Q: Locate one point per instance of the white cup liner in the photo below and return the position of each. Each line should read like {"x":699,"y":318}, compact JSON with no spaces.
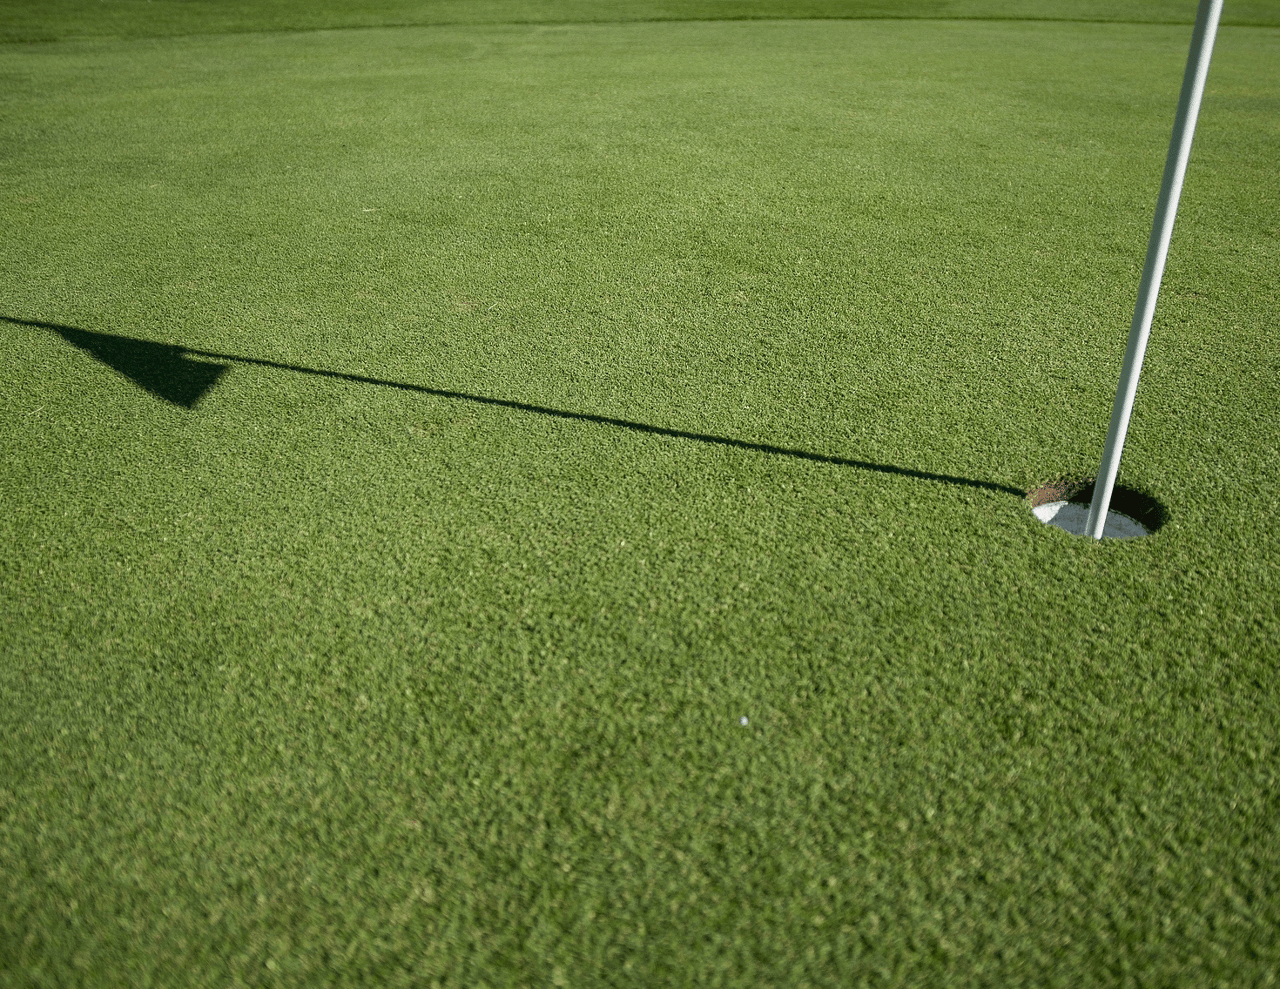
{"x":1072,"y":517}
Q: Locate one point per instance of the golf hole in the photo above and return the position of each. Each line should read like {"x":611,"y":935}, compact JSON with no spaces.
{"x":1065,"y":504}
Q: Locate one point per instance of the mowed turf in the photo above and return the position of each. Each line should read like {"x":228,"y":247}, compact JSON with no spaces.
{"x":518,"y":505}
{"x":48,"y":20}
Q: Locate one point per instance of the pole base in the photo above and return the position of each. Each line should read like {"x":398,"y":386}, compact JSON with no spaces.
{"x":1065,"y":503}
{"x":1073,"y":518}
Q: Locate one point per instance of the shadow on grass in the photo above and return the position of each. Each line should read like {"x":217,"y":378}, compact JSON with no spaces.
{"x":159,"y":368}
{"x":168,"y":372}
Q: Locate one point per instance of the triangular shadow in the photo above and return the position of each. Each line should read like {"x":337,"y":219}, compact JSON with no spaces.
{"x":165,"y":371}
{"x":160,"y":368}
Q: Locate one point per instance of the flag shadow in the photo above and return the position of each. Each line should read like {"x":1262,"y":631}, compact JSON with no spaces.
{"x":168,"y":372}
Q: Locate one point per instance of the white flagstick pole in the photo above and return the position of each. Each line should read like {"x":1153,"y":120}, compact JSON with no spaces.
{"x":1175,"y":167}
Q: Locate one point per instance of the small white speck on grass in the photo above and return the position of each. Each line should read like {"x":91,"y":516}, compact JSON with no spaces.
{"x":744,"y":720}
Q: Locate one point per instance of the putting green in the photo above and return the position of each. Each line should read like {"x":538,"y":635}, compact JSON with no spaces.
{"x":424,"y":446}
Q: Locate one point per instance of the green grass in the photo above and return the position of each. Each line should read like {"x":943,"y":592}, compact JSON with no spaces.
{"x":45,"y":20}
{"x":673,"y":373}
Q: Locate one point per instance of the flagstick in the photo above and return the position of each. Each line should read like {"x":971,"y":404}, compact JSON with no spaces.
{"x":1175,"y":168}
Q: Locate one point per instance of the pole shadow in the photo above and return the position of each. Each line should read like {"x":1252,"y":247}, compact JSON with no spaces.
{"x":168,"y":372}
